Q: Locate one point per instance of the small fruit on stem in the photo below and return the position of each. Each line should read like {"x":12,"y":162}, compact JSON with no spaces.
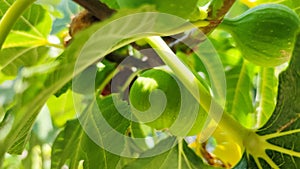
{"x":147,"y":85}
{"x":157,"y":96}
{"x":265,"y":34}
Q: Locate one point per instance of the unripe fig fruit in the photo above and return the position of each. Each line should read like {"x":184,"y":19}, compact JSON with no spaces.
{"x":157,"y":94}
{"x":148,"y":83}
{"x":265,"y":34}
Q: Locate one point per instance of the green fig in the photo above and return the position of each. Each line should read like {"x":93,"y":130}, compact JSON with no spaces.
{"x":265,"y":34}
{"x":157,"y":94}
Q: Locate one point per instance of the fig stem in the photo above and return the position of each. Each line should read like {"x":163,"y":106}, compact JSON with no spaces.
{"x":180,"y":151}
{"x":197,"y":89}
{"x":11,"y":17}
{"x":216,"y":19}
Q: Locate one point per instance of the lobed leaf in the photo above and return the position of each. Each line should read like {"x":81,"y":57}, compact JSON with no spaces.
{"x":74,"y":145}
{"x":180,"y":156}
{"x":42,"y":81}
{"x":276,"y":144}
{"x":13,"y":59}
{"x":26,"y":44}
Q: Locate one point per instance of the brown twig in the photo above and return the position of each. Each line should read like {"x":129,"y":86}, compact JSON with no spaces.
{"x":225,"y":8}
{"x":215,"y":21}
{"x":97,"y":8}
{"x":101,"y":11}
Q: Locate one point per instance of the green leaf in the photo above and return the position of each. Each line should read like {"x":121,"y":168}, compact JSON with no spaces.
{"x":180,"y":156}
{"x":226,"y":48}
{"x":61,"y":108}
{"x":133,"y":3}
{"x":24,"y":45}
{"x":111,"y":3}
{"x":4,"y":7}
{"x":140,"y":131}
{"x":40,"y":82}
{"x":216,"y":5}
{"x":237,"y":9}
{"x":239,"y":94}
{"x":266,"y":95}
{"x":276,"y":144}
{"x":21,"y":134}
{"x":179,"y":8}
{"x":102,"y":73}
{"x":242,"y":164}
{"x":74,"y":144}
{"x":31,"y":29}
{"x":54,"y":2}
{"x":13,"y":59}
{"x":295,"y":5}
{"x":197,"y":66}
{"x":203,"y":2}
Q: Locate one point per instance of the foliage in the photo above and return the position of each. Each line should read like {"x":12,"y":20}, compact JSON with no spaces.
{"x":64,"y":100}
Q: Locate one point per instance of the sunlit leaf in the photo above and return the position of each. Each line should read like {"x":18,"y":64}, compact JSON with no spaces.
{"x":240,"y":94}
{"x":74,"y":145}
{"x":266,"y":95}
{"x":47,"y":79}
{"x":61,"y":108}
{"x":226,"y":48}
{"x":180,"y":8}
{"x":216,"y":6}
{"x":29,"y":78}
{"x":111,"y":3}
{"x":25,"y":45}
{"x":177,"y":157}
{"x":13,"y":59}
{"x":31,"y":29}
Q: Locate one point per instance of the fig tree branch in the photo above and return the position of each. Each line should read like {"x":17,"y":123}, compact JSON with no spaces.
{"x":97,"y":8}
{"x":216,"y":20}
